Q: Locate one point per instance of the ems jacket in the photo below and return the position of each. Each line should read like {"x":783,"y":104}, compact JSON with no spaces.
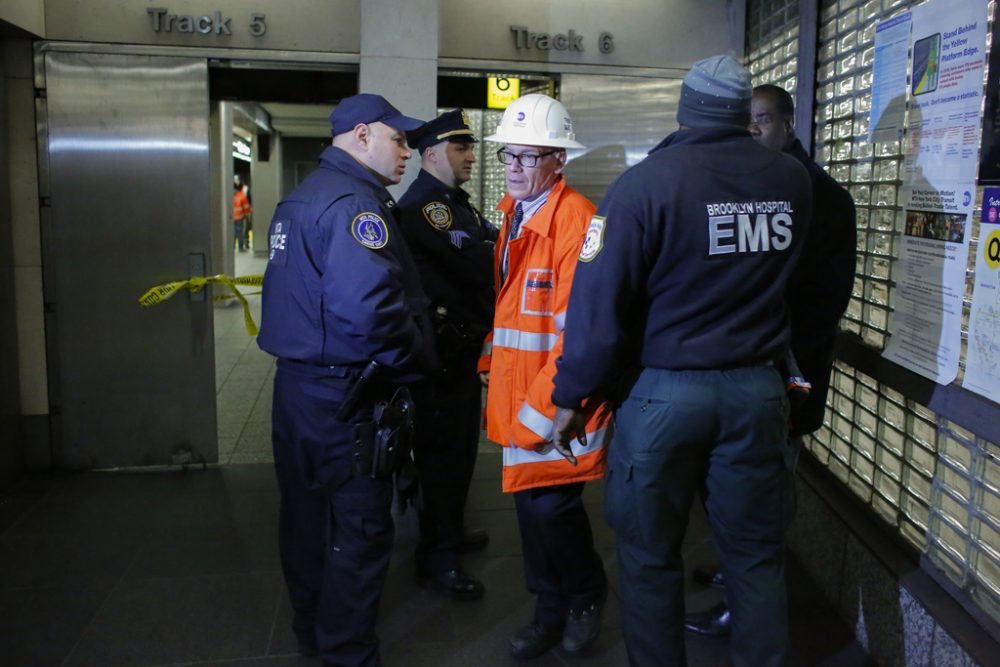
{"x":686,"y":264}
{"x":820,"y":288}
{"x":526,"y":341}
{"x":340,"y":286}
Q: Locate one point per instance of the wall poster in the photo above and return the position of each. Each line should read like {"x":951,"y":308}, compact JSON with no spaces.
{"x":948,"y":39}
{"x":982,"y":364}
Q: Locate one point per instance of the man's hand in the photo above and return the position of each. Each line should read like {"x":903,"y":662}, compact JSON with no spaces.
{"x":484,"y":377}
{"x":567,"y":424}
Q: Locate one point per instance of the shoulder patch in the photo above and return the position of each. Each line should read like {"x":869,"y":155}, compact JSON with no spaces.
{"x":438,"y":214}
{"x":277,"y":244}
{"x":370,"y":230}
{"x":594,"y":241}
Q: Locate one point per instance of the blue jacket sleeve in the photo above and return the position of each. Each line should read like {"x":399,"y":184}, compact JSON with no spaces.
{"x":371,"y":291}
{"x":610,"y":278}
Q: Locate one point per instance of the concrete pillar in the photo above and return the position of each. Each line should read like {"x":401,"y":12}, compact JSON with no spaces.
{"x":399,"y":51}
{"x":221,"y":190}
{"x":22,"y":156}
{"x":266,"y":191}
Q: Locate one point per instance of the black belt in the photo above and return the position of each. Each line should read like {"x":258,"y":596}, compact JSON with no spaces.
{"x":317,"y":370}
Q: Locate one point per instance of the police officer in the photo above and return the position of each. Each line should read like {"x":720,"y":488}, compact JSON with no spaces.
{"x":818,"y":292}
{"x":453,"y":248}
{"x":683,"y":273}
{"x":340,"y":291}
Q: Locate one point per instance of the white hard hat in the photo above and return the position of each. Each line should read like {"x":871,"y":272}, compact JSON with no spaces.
{"x":536,"y":120}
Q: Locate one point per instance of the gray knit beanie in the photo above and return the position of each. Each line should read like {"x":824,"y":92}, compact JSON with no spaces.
{"x":716,"y":93}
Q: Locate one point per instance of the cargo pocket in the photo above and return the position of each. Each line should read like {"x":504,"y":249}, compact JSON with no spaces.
{"x":619,"y":501}
{"x":362,"y":521}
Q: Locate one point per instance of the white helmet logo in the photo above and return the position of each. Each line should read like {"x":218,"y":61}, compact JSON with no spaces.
{"x":536,"y":120}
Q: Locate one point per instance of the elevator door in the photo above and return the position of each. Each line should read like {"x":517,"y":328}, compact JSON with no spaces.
{"x":128,"y":166}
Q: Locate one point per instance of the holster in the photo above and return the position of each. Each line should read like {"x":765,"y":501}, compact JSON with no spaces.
{"x":382,"y":446}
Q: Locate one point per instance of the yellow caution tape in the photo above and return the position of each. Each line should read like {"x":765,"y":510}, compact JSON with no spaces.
{"x":161,"y":293}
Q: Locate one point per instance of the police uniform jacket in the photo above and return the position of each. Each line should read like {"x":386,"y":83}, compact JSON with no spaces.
{"x":687,"y":261}
{"x":340,"y":287}
{"x":452,"y":245}
{"x":527,"y":339}
{"x":820,"y":287}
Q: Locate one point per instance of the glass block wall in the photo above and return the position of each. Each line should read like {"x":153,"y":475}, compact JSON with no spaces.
{"x":934,"y":482}
{"x":486,"y":184}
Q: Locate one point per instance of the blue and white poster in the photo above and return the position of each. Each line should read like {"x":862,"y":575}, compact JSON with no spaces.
{"x":892,"y":50}
{"x":947,"y":55}
{"x":946,"y":91}
{"x":926,"y":322}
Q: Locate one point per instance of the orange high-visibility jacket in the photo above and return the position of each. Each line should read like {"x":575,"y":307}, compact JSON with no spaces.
{"x":241,"y":205}
{"x":520,"y":353}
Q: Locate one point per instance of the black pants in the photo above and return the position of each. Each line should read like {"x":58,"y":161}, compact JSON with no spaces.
{"x":449,"y":414}
{"x":335,"y":529}
{"x":561,"y":566}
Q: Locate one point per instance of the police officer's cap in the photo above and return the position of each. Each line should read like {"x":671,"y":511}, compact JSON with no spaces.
{"x":368,"y":108}
{"x":450,"y":126}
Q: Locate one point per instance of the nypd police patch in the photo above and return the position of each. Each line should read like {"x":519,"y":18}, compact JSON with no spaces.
{"x":594,"y":241}
{"x":438,"y":214}
{"x":370,"y":230}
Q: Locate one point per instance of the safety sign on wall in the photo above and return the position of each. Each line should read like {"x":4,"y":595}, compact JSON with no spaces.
{"x":500,"y":92}
{"x":947,"y":55}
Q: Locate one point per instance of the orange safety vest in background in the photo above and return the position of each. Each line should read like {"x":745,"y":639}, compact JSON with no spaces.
{"x":241,"y":205}
{"x":520,"y":353}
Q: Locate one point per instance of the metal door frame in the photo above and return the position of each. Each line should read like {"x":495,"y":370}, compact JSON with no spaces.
{"x":63,"y":454}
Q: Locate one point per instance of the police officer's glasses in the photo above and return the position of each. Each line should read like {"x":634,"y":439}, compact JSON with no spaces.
{"x":524,"y":159}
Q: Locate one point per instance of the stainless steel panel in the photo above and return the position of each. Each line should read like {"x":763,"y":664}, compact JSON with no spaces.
{"x":129,"y":169}
{"x":267,"y":58}
{"x":619,"y":119}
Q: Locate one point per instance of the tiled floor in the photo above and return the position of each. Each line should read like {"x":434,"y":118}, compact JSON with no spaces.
{"x":181,"y":568}
{"x":243,"y":377}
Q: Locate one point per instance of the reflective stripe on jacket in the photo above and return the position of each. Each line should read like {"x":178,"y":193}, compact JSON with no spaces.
{"x":521,"y":352}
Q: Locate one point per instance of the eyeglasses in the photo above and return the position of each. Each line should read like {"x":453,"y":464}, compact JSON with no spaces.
{"x":524,"y":159}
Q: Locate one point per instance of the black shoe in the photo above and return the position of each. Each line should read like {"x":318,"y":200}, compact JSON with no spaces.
{"x":709,"y":576}
{"x":716,"y":622}
{"x":474,"y":539}
{"x":533,"y":640}
{"x":582,"y":628}
{"x":454,"y":583}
